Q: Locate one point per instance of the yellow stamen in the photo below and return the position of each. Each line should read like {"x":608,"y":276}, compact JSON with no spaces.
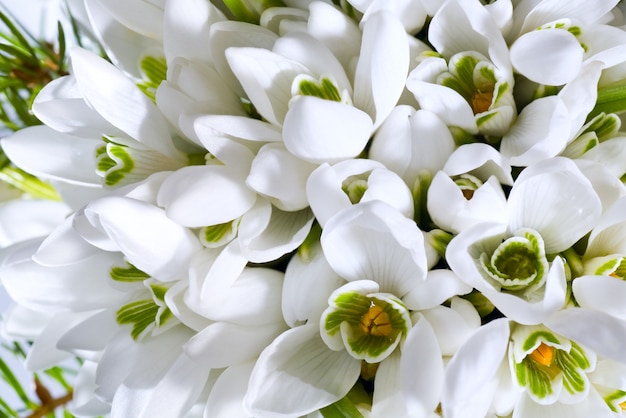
{"x":481,"y":102}
{"x":376,"y":322}
{"x":623,"y":406}
{"x":544,"y":354}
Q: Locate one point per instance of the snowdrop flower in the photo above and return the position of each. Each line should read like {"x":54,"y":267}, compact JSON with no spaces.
{"x":529,"y":371}
{"x":365,"y":321}
{"x":516,"y":264}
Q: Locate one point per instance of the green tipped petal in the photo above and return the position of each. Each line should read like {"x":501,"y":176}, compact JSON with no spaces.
{"x":519,"y":263}
{"x":325,"y":88}
{"x":371,"y":325}
{"x":154,"y":70}
{"x":128,"y":274}
{"x":215,"y":236}
{"x":611,"y":265}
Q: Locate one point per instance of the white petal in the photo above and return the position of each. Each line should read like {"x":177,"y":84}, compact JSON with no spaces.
{"x":386,"y":186}
{"x":239,"y":127}
{"x":145,"y":17}
{"x":147,"y":237}
{"x":44,"y":353}
{"x":187,"y":28}
{"x":223,"y":344}
{"x":60,"y":106}
{"x":318,"y":130}
{"x":298,"y":374}
{"x":580,"y":95}
{"x":560,"y":204}
{"x":205,"y":195}
{"x":472,"y":368}
{"x":63,"y":246}
{"x":19,"y":322}
{"x":266,"y":77}
{"x":596,"y":330}
{"x":480,"y":160}
{"x":439,"y":286}
{"x":123,"y":45}
{"x":412,"y":14}
{"x":174,"y":394}
{"x":421,"y":370}
{"x":592,"y":405}
{"x":383,"y":65}
{"x":541,"y":131}
{"x":307,"y":287}
{"x":444,"y":102}
{"x":121,"y":102}
{"x":374,"y":241}
{"x":549,"y":56}
{"x":325,"y":194}
{"x":84,"y":401}
{"x":314,"y":55}
{"x":602,"y":293}
{"x":26,"y":219}
{"x":228,"y":34}
{"x":280,"y":176}
{"x":608,"y":186}
{"x":253,"y":299}
{"x":452,"y":326}
{"x":388,"y":399}
{"x":43,"y":152}
{"x":340,"y":33}
{"x":281,"y":233}
{"x":92,"y":333}
{"x":82,"y":285}
{"x":392,"y":142}
{"x":460,"y":26}
{"x":609,"y":234}
{"x":226,"y":397}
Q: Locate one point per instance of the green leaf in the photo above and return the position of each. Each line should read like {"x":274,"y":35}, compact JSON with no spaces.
{"x":18,"y":35}
{"x":14,"y":383}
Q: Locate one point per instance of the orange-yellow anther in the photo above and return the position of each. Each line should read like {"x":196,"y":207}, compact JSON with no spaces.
{"x":623,"y":406}
{"x":544,"y":354}
{"x":481,"y":102}
{"x":376,"y":322}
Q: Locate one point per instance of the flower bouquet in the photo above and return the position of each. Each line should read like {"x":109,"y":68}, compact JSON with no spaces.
{"x":362,"y":208}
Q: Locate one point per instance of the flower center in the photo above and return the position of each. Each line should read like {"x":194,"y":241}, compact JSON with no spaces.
{"x":376,"y":322}
{"x":481,"y":101}
{"x":544,"y":354}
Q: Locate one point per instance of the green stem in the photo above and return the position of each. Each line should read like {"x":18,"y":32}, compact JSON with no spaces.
{"x":28,"y":183}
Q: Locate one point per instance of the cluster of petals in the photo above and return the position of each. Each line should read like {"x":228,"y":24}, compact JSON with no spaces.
{"x":405,"y":209}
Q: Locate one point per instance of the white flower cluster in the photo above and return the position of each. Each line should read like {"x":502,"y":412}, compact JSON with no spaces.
{"x":372,"y":208}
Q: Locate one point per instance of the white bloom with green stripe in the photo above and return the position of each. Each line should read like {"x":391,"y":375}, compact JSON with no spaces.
{"x":488,"y":92}
{"x":548,"y":366}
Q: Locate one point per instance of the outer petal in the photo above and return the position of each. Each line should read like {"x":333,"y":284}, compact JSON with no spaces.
{"x":318,"y":130}
{"x":266,"y":77}
{"x":480,"y":160}
{"x":187,"y":27}
{"x":541,"y":131}
{"x":189,"y":195}
{"x":549,"y":56}
{"x":597,"y":330}
{"x":609,"y":234}
{"x":472,"y":369}
{"x":592,"y":406}
{"x":421,"y":370}
{"x":602,"y":293}
{"x":439,"y":286}
{"x":147,"y":237}
{"x":280,"y":176}
{"x":61,"y":106}
{"x":122,"y":44}
{"x":121,"y":102}
{"x":374,"y":241}
{"x":309,"y":282}
{"x":145,"y":17}
{"x":383,"y":65}
{"x":559,"y":203}
{"x":226,"y":397}
{"x":444,"y":102}
{"x":43,"y":152}
{"x":298,"y":374}
{"x":26,"y":219}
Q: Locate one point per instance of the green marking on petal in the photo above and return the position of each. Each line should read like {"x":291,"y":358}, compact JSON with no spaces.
{"x":114,"y":162}
{"x":613,"y":265}
{"x":616,"y":400}
{"x":218,"y":235}
{"x":468,"y":184}
{"x":325,"y":88}
{"x":604,"y":125}
{"x":128,"y":274}
{"x":481,"y":120}
{"x":519,"y":263}
{"x":140,"y":314}
{"x":581,"y":145}
{"x":371,"y":326}
{"x":154,"y":70}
